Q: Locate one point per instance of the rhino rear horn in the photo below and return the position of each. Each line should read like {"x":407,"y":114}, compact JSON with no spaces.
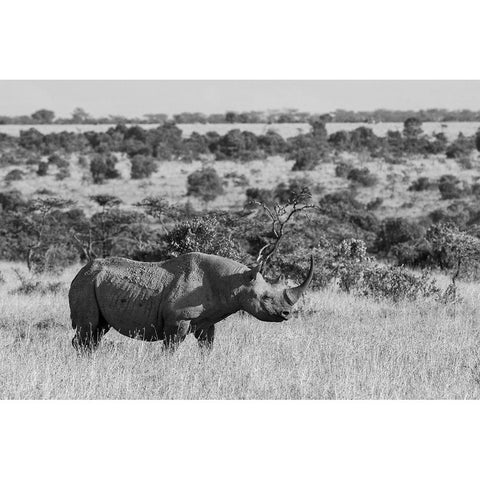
{"x":294,"y":294}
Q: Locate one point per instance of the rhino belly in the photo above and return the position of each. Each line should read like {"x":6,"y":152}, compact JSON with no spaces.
{"x":131,"y":310}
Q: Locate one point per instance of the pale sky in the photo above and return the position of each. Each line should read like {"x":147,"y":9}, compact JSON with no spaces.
{"x":138,"y":97}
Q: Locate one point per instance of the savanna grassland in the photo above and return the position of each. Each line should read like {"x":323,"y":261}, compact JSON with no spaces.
{"x":336,"y":346}
{"x":389,"y":215}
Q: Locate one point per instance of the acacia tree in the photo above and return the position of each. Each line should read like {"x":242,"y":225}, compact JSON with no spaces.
{"x":42,"y":209}
{"x":43,"y":116}
{"x":280,"y":216}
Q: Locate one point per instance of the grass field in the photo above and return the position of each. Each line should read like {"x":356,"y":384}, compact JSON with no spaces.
{"x":336,"y":346}
{"x":170,"y":181}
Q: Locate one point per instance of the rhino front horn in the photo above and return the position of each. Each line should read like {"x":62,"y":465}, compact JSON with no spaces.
{"x":294,"y":294}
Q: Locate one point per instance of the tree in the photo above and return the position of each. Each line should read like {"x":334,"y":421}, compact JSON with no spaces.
{"x":43,"y":208}
{"x":102,"y":168}
{"x":412,"y":128}
{"x":42,"y":169}
{"x":43,"y":116}
{"x":79,"y":115}
{"x":143,"y":167}
{"x":205,"y":184}
{"x":280,"y":216}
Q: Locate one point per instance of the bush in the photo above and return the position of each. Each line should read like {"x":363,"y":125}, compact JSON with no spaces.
{"x":42,"y":169}
{"x":12,"y":200}
{"x":306,"y":159}
{"x":260,"y":195}
{"x":102,"y":167}
{"x":361,"y":275}
{"x":286,"y":193}
{"x":421,"y":184}
{"x":239,"y":180}
{"x":452,"y":249}
{"x":363,"y":176}
{"x":396,"y":283}
{"x":201,"y":235}
{"x":342,"y":170}
{"x":396,"y":230}
{"x":14,"y":175}
{"x":465,"y":162}
{"x":62,"y":174}
{"x":10,"y":159}
{"x":374,"y":204}
{"x":143,"y":167}
{"x":461,"y":147}
{"x":451,"y":187}
{"x":58,"y":161}
{"x":205,"y":184}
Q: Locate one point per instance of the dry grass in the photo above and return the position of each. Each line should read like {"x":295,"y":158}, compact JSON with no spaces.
{"x":336,"y":347}
{"x":171,"y":182}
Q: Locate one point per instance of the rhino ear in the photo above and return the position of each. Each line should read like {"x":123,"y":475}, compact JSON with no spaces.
{"x":254,"y":272}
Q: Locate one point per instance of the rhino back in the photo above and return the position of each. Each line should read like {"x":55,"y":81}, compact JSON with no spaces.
{"x":129,"y":293}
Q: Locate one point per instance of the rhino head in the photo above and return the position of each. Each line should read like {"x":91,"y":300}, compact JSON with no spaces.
{"x":271,"y":302}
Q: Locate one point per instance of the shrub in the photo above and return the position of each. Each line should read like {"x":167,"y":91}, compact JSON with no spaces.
{"x":465,"y":162}
{"x":363,"y":176}
{"x":286,"y":193}
{"x":421,"y":184}
{"x":202,"y":234}
{"x":102,"y":167}
{"x":396,"y":230}
{"x":205,"y":184}
{"x":272,"y":143}
{"x":452,"y":248}
{"x":342,"y":170}
{"x":260,"y":195}
{"x":306,"y":159}
{"x":10,"y":159}
{"x":450,"y":187}
{"x":12,"y":200}
{"x":374,"y":204}
{"x":58,"y":161}
{"x":62,"y":174}
{"x":14,"y":175}
{"x":396,"y":283}
{"x":360,"y":274}
{"x":143,"y":167}
{"x":461,"y":147}
{"x":239,"y":180}
{"x":42,"y":169}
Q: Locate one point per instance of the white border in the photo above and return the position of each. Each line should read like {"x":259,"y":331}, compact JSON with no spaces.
{"x":241,"y":40}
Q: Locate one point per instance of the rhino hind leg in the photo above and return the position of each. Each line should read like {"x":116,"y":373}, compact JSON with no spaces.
{"x":205,"y":337}
{"x":87,"y":320}
{"x":88,"y":336}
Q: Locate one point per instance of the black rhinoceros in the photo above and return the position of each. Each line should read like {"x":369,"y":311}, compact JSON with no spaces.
{"x":167,"y":300}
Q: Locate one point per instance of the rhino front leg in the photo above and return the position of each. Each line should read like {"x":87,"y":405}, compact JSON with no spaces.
{"x":205,"y":336}
{"x":175,"y":334}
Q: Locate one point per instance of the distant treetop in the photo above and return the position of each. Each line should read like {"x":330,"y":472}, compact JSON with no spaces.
{"x":80,"y":116}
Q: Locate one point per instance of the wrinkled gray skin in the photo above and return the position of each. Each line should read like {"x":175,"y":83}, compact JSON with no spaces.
{"x":167,"y":300}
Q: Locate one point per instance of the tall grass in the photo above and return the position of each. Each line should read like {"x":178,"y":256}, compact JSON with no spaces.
{"x":336,"y":346}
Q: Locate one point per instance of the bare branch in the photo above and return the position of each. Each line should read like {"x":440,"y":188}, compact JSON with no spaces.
{"x":280,"y":216}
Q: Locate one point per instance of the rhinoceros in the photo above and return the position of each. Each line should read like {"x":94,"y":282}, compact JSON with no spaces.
{"x":167,"y":300}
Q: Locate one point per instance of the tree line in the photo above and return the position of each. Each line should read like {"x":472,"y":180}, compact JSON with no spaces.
{"x":80,"y":116}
